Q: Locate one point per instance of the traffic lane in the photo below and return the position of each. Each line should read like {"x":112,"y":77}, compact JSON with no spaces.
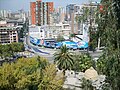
{"x":35,"y":48}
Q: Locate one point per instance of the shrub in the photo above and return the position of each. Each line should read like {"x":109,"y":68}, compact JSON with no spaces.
{"x":82,"y":62}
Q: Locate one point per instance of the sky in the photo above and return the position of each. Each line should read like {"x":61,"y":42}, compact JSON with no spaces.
{"x":15,"y":5}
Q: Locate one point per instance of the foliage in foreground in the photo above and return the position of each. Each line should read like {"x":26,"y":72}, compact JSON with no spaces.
{"x":109,"y":64}
{"x":82,"y":62}
{"x":66,"y":60}
{"x":30,"y":74}
{"x":63,"y":58}
{"x":87,"y":85}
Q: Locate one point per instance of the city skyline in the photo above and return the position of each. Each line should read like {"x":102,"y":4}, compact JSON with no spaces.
{"x":15,"y":5}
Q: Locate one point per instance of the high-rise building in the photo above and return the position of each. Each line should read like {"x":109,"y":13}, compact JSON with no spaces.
{"x":61,"y":13}
{"x":40,"y":12}
{"x":50,"y":10}
{"x":5,"y":14}
{"x":33,"y":12}
{"x":69,"y":11}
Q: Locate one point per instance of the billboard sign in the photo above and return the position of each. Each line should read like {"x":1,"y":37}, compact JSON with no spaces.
{"x":34,"y":40}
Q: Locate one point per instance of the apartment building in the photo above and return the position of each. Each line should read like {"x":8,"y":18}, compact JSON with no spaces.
{"x":40,"y":12}
{"x":8,"y":33}
{"x":33,"y":12}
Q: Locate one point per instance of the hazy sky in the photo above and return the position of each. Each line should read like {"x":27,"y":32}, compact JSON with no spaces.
{"x":15,"y":5}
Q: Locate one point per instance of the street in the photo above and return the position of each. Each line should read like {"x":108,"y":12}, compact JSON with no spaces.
{"x":49,"y":53}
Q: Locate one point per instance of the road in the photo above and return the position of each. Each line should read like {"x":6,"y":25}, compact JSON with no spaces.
{"x":94,"y":55}
{"x":48,"y":53}
{"x":44,"y":52}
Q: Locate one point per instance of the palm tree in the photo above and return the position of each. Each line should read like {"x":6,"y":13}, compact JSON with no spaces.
{"x":64,"y":59}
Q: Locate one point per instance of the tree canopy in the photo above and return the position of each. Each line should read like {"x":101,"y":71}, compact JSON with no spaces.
{"x":63,"y":58}
{"x":109,"y":62}
{"x":8,"y":50}
{"x":30,"y":74}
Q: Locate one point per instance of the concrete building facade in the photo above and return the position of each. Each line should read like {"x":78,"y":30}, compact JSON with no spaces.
{"x":37,"y":32}
{"x":8,"y":34}
{"x":50,"y":31}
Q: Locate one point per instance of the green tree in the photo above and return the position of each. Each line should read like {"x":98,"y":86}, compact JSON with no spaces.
{"x":50,"y":80}
{"x":42,"y":62}
{"x":1,"y":50}
{"x":63,"y":58}
{"x":82,"y":62}
{"x":84,"y":17}
{"x":87,"y":84}
{"x":88,"y":17}
{"x":25,"y":74}
{"x":110,"y":65}
{"x":60,"y":38}
{"x":108,"y":25}
{"x":8,"y":50}
{"x":72,"y":35}
{"x":17,"y":47}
